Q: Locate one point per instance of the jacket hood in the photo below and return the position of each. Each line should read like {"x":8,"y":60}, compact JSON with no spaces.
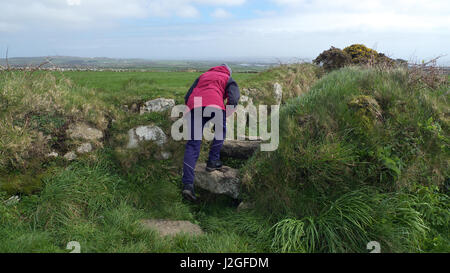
{"x":229,"y":68}
{"x":223,"y":68}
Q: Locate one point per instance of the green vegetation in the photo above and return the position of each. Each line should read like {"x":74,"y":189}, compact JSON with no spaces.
{"x":88,"y":202}
{"x":363,"y":157}
{"x":355,"y":152}
{"x":99,"y":199}
{"x":35,"y":110}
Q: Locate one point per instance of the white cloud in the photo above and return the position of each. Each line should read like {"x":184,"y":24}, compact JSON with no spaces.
{"x":90,"y":13}
{"x":219,"y":2}
{"x":188,"y":12}
{"x":396,"y":6}
{"x":300,"y":28}
{"x":374,"y":15}
{"x":73,"y":2}
{"x":221,"y":14}
{"x":383,"y":21}
{"x":292,"y":15}
{"x":63,"y":13}
{"x":265,"y":13}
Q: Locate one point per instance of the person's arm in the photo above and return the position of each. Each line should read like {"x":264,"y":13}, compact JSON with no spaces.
{"x":186,"y":98}
{"x":233,"y":95}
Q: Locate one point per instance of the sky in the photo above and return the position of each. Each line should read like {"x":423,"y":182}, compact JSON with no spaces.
{"x":414,"y":30}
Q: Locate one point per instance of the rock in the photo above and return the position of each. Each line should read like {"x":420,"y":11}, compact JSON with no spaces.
{"x":225,"y":181}
{"x":157,"y":105}
{"x":250,"y":91}
{"x":278,"y":92}
{"x":13,"y":200}
{"x":244,"y":206}
{"x":171,"y":228}
{"x":241,"y":149}
{"x":53,"y":154}
{"x":134,"y":108}
{"x":83,"y":131}
{"x":84,"y":148}
{"x":133,"y":140}
{"x":249,"y":138}
{"x":163,"y":155}
{"x":245,"y":99}
{"x":247,"y":95}
{"x":145,"y":133}
{"x":70,"y":156}
{"x":166,"y":155}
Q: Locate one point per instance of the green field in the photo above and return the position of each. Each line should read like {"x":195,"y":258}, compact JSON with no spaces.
{"x":125,"y":87}
{"x":363,"y":156}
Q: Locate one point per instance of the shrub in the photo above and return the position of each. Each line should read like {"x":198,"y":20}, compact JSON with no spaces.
{"x":358,"y":54}
{"x":333,"y":58}
{"x":428,"y":74}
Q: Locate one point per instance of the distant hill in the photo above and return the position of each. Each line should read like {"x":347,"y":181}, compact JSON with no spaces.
{"x":67,"y":62}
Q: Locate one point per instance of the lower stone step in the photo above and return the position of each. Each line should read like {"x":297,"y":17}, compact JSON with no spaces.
{"x":225,"y":181}
{"x":240,"y":149}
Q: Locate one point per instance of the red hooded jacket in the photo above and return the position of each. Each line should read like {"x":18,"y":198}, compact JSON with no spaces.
{"x":213,"y":87}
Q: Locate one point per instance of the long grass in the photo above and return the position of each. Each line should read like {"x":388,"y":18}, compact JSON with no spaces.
{"x":355,"y":129}
{"x":97,"y":205}
{"x":352,"y":221}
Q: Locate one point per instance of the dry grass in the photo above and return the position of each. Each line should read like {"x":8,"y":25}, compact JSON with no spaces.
{"x":428,"y":74}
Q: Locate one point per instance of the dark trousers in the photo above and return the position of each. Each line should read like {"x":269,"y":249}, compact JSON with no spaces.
{"x":196,"y":123}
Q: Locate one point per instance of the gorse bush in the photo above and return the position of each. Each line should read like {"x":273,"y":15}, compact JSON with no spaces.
{"x":356,"y":54}
{"x":333,"y":58}
{"x":356,"y":128}
{"x":360,"y":54}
